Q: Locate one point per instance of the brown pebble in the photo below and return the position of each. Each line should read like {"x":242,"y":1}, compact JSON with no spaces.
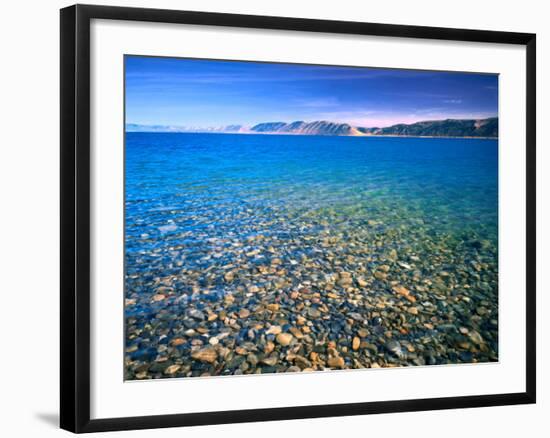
{"x":269,"y":347}
{"x":178,"y":341}
{"x":296,"y":332}
{"x":205,"y":355}
{"x":284,"y":339}
{"x":401,"y":290}
{"x":274,"y":330}
{"x":172,"y":369}
{"x":336,"y":362}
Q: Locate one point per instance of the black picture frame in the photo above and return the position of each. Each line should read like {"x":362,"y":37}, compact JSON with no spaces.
{"x":75,"y":217}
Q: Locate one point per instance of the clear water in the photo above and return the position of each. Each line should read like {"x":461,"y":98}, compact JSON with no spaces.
{"x":184,"y":187}
{"x":201,"y":205}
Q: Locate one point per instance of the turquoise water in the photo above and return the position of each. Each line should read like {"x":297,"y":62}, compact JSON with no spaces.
{"x":200,"y":205}
{"x":178,"y":183}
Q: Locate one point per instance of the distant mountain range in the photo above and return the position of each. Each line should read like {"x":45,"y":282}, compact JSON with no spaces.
{"x":303,"y":128}
{"x":134,"y":127}
{"x":432,"y":128}
{"x":441,"y":128}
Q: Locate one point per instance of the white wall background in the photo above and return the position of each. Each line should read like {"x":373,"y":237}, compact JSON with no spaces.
{"x":29,"y":248}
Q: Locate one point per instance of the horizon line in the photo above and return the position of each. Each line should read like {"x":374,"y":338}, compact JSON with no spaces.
{"x":162,"y":125}
{"x":465,"y":137}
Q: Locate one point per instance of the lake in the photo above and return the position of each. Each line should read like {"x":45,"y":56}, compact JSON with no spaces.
{"x":246,"y":251}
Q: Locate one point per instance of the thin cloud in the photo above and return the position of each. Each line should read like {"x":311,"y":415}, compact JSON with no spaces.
{"x":152,"y":78}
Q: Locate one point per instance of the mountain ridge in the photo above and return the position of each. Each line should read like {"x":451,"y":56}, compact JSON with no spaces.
{"x":441,"y":128}
{"x":462,"y":128}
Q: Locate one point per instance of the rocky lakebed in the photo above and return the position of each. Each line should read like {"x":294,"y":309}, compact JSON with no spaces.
{"x":317,"y":294}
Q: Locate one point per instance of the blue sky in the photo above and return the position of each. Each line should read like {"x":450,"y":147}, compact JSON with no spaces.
{"x":204,"y":93}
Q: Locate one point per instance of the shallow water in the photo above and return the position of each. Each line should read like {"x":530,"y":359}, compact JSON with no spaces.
{"x":201,"y":205}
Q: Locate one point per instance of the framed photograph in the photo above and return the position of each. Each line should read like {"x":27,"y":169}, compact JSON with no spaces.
{"x":270,"y":218}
